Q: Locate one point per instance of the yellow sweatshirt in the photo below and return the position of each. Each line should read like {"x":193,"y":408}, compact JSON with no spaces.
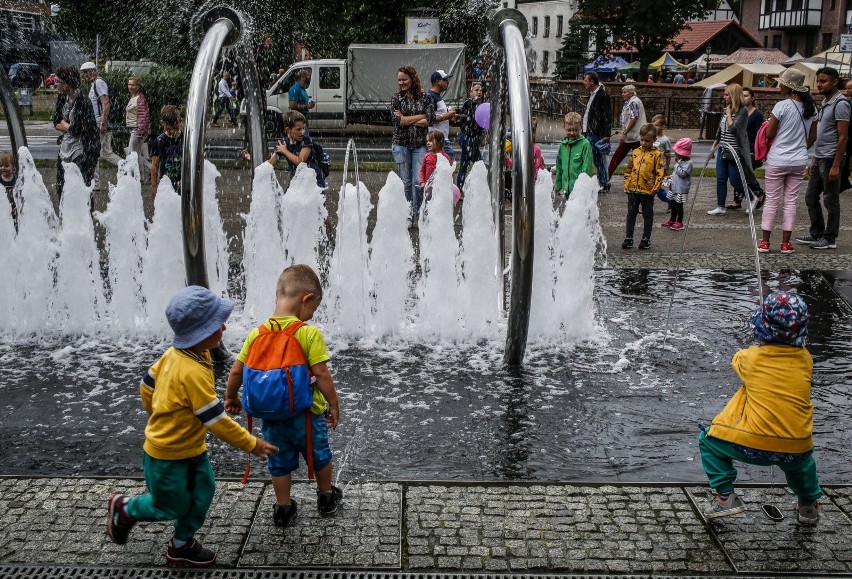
{"x":645,"y":171}
{"x":179,"y":393}
{"x":772,"y":411}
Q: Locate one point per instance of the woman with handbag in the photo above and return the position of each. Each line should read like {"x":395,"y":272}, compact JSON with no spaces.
{"x":788,"y":129}
{"x":732,"y":132}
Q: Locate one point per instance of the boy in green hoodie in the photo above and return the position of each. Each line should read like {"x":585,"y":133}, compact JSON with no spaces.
{"x":574,"y":155}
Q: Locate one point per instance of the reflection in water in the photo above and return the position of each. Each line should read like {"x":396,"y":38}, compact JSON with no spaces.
{"x":621,"y":406}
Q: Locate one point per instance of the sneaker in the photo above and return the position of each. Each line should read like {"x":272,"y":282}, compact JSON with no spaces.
{"x":763,"y":247}
{"x":191,"y":553}
{"x":717,"y":211}
{"x":787,"y":248}
{"x":678,"y":226}
{"x":329,"y":503}
{"x":283,"y":515}
{"x":824,"y":243}
{"x":627,"y":243}
{"x":724,"y":508}
{"x":119,"y":522}
{"x":734,"y":206}
{"x":808,"y":515}
{"x":667,"y":223}
{"x":645,"y":243}
{"x":806,"y":239}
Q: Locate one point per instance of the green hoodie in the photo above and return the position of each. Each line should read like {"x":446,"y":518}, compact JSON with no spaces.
{"x":574,"y":157}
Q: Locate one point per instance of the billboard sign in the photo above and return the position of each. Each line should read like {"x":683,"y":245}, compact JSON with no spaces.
{"x":422,"y":31}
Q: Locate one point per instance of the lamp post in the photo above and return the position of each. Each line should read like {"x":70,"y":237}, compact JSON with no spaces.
{"x":707,"y":60}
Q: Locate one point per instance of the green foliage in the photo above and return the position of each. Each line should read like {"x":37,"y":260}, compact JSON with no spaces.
{"x":571,"y":56}
{"x":649,"y":26}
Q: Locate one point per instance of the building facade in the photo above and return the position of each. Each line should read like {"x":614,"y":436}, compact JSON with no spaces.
{"x":25,"y":32}
{"x":548,"y":25}
{"x":803,"y":26}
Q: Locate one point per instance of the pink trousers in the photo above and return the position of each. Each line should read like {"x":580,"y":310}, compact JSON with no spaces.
{"x":782,"y":186}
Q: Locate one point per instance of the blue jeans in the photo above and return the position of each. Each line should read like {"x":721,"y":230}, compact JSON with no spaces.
{"x":470,"y":154}
{"x":599,"y":160}
{"x":408,"y":162}
{"x":727,"y":170}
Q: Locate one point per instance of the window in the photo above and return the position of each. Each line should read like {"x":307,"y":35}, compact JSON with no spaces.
{"x":793,"y":46}
{"x":826,"y":41}
{"x":329,"y":77}
{"x":765,"y":42}
{"x":25,"y":22}
{"x":545,"y":57}
{"x":796,"y":5}
{"x":546,"y":26}
{"x":767,"y":6}
{"x":780,"y":5}
{"x":776,"y":41}
{"x":833,"y":5}
{"x":559,"y":27}
{"x":535,"y":26}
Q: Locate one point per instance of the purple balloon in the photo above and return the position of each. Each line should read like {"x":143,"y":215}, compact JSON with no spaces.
{"x":483,"y":115}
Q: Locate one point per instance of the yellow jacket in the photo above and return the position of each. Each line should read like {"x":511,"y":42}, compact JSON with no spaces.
{"x":772,"y":410}
{"x":645,"y":171}
{"x":179,"y":393}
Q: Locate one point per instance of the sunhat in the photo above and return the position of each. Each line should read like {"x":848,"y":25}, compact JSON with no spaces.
{"x":683,"y":147}
{"x":794,"y":80}
{"x":88,"y":66}
{"x":195,"y":313}
{"x":782,"y":319}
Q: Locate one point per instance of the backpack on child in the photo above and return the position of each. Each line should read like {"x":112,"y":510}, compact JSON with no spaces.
{"x":116,"y":106}
{"x":320,"y":159}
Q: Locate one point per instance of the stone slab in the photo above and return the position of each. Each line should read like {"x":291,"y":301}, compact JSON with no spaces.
{"x":557,"y":528}
{"x":63,"y":521}
{"x":365,"y":533}
{"x":756,"y":544}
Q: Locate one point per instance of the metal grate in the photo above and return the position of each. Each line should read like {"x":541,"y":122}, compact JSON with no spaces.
{"x":57,"y":572}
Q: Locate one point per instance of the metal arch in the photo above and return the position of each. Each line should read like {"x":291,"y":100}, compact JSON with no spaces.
{"x":224,"y":28}
{"x":508,"y":28}
{"x":14,"y":121}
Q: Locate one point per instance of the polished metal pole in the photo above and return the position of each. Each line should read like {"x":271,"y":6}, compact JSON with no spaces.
{"x":508,"y":28}
{"x":255,"y":106}
{"x":497,"y":130}
{"x":14,"y":121}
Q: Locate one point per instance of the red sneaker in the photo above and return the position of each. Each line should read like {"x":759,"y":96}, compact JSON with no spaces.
{"x":763,"y":247}
{"x":677,"y":226}
{"x":667,"y":223}
{"x":787,"y":248}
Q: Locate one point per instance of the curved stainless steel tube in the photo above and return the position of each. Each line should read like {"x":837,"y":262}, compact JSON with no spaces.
{"x":14,"y":121}
{"x":497,"y":127}
{"x":508,"y":27}
{"x":255,"y":98}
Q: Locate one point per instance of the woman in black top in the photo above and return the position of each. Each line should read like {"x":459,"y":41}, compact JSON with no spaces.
{"x":470,"y":135}
{"x":412,"y":111}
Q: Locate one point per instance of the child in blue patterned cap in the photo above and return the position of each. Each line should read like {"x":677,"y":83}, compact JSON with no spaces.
{"x":769,"y":421}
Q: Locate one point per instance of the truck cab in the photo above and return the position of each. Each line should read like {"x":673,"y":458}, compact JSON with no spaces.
{"x":327,"y":89}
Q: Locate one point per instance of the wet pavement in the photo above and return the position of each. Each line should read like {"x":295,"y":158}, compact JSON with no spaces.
{"x":49,"y":524}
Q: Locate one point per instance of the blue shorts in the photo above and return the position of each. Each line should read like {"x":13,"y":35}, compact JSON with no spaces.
{"x":291,"y":439}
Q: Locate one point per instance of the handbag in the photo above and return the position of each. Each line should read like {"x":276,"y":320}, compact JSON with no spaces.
{"x":761,"y":143}
{"x":727,"y":155}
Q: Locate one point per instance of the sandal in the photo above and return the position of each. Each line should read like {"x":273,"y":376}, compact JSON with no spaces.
{"x":732,"y":206}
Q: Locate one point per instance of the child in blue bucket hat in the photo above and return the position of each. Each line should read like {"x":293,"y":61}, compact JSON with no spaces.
{"x":179,"y":394}
{"x":769,"y":420}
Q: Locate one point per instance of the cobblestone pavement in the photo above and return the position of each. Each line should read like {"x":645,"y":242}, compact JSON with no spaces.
{"x":428,"y":527}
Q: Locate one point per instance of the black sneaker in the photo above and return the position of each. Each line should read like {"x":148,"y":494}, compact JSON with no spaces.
{"x":824,"y":243}
{"x":807,"y":239}
{"x":328,"y":503}
{"x":191,"y":553}
{"x":119,"y":522}
{"x":645,"y":243}
{"x":627,"y":243}
{"x":283,"y":515}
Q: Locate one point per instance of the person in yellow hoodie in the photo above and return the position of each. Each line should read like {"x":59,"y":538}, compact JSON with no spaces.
{"x":574,"y":155}
{"x":769,"y":420}
{"x":179,"y":394}
{"x":642,"y":179}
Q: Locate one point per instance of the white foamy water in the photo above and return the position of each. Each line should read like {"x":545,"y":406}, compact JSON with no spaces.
{"x":215,"y":242}
{"x":303,"y":216}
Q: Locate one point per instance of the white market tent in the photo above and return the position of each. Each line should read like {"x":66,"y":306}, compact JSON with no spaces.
{"x":744,"y":74}
{"x":809,"y":70}
{"x":834,"y":53}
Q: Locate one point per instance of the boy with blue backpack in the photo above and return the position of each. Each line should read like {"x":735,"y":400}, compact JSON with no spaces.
{"x":283,"y":372}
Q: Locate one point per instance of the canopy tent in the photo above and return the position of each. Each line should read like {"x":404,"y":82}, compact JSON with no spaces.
{"x":793,"y":59}
{"x":744,"y":74}
{"x":835,"y":54}
{"x":604,"y":65}
{"x":666,"y":61}
{"x":809,"y":69}
{"x":631,"y":68}
{"x":700,"y":63}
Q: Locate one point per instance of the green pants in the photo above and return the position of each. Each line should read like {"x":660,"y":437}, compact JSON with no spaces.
{"x":718,"y":456}
{"x":178,"y":490}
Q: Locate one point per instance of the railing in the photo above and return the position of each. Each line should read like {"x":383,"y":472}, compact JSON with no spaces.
{"x":511,"y":82}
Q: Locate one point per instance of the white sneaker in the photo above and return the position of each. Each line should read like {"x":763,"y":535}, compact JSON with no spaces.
{"x":717,"y":211}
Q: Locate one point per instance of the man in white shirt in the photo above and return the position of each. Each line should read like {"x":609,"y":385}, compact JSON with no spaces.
{"x":99,"y":95}
{"x":223,"y":99}
{"x":443,"y":116}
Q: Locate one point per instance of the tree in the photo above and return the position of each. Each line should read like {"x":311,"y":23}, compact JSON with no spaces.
{"x":648,"y":26}
{"x":570,"y":59}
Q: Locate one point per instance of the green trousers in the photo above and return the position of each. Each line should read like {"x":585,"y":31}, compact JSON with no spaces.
{"x":178,"y":490}
{"x":718,"y":456}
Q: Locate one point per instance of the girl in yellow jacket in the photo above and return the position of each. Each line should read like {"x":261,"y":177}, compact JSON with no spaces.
{"x":642,"y":179}
{"x":769,"y":420}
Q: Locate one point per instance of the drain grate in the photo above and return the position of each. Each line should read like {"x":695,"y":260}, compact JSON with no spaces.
{"x":56,"y":572}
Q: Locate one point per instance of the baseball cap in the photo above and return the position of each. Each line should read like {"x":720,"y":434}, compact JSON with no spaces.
{"x":440,"y":75}
{"x":88,"y":66}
